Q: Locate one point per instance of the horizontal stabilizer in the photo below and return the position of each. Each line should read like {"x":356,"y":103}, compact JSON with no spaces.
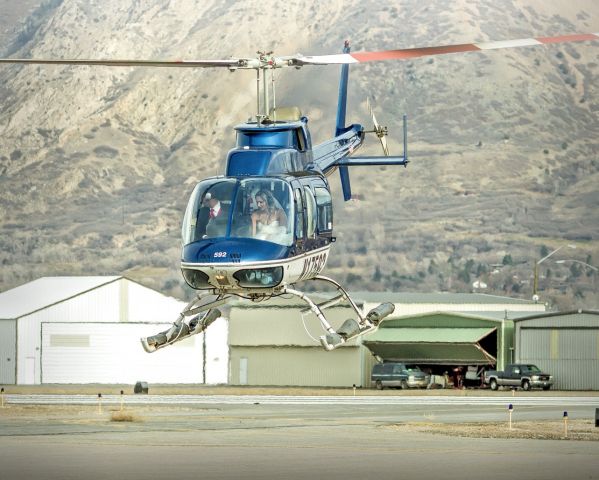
{"x":367,"y":161}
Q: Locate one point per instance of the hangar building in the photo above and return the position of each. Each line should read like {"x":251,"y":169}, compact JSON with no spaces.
{"x":276,"y":344}
{"x":87,"y":330}
{"x":442,"y":341}
{"x":564,"y":344}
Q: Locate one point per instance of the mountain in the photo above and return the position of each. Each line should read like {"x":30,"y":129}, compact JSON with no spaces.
{"x":96,"y":164}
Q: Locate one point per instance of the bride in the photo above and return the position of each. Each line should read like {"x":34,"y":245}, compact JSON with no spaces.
{"x":268,"y":220}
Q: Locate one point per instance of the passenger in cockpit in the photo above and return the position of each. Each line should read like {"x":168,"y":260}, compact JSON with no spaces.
{"x":269,"y":220}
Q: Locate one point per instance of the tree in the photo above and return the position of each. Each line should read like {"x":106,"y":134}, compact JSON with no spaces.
{"x":507,"y":260}
{"x":377,"y":274}
{"x":432,"y":267}
{"x":464,"y":276}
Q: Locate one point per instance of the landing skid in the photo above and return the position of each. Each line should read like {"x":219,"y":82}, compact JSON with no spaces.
{"x":351,"y":328}
{"x":202,"y":315}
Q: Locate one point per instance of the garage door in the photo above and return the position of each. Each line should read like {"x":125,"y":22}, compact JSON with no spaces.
{"x":8,"y":350}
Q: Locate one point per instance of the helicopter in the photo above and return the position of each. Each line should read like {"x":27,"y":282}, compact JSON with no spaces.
{"x":266,"y":224}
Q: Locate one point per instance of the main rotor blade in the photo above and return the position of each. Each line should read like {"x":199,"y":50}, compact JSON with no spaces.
{"x":232,"y":63}
{"x":407,"y":53}
{"x":263,"y":62}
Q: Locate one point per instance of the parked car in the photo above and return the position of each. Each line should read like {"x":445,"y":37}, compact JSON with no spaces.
{"x":523,"y":375}
{"x":395,"y":374}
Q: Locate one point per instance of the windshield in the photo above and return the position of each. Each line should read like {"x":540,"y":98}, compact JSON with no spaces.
{"x":413,"y":368}
{"x":532,"y":368}
{"x":251,"y":208}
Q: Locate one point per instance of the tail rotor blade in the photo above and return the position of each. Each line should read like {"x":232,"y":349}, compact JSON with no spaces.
{"x":384,"y":145}
{"x":381,"y":132}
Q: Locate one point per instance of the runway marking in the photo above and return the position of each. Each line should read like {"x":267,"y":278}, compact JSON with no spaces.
{"x":41,"y":399}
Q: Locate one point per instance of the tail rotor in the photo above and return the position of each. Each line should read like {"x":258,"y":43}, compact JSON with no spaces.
{"x":379,"y":131}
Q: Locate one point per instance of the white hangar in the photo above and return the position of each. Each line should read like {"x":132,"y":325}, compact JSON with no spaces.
{"x":87,"y":330}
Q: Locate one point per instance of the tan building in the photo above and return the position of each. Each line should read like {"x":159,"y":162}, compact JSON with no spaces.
{"x":276,"y":344}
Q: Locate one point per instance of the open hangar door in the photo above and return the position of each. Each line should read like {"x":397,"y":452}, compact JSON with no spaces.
{"x":458,"y":353}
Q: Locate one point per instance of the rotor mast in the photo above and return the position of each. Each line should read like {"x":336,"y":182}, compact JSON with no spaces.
{"x":265,"y":82}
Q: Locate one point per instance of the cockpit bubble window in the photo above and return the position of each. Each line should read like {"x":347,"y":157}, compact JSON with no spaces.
{"x":208,"y":210}
{"x":250,"y":208}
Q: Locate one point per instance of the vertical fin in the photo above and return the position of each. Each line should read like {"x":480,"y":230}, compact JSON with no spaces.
{"x":340,"y":126}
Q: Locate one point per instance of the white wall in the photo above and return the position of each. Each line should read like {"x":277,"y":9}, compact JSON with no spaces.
{"x":119,"y":301}
{"x":98,"y":305}
{"x":115,"y":355}
{"x":217,"y":352}
{"x":147,"y":305}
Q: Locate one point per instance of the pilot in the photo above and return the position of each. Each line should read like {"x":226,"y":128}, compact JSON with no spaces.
{"x":268,"y":219}
{"x":212,"y":217}
{"x":214,"y":205}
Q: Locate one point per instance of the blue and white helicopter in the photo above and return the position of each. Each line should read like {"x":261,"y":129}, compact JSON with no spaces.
{"x":267,"y":223}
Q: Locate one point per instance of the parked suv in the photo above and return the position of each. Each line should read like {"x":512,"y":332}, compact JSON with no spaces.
{"x":525,"y":376}
{"x":394,"y":374}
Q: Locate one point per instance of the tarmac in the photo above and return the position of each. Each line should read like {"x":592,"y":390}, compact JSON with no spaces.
{"x":260,"y":440}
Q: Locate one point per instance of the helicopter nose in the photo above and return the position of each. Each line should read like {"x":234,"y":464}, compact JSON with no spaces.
{"x":233,"y":251}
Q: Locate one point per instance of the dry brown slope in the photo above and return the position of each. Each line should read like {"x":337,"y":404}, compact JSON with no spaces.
{"x":96,"y":163}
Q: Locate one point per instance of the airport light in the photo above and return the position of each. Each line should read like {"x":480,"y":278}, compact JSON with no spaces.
{"x":578,"y":261}
{"x":535,"y":297}
{"x":594,"y":269}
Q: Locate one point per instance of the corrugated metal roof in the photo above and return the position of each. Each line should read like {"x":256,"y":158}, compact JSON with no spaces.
{"x":506,"y":315}
{"x":44,"y":292}
{"x":396,"y":298}
{"x":440,"y":297}
{"x":285,"y":301}
{"x":461,"y":319}
{"x":557,"y":314}
{"x":428,"y":335}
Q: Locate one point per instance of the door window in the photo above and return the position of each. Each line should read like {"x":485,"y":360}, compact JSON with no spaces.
{"x":310,"y":213}
{"x":299,"y":205}
{"x":324,"y":206}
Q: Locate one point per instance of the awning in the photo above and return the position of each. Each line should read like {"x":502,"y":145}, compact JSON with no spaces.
{"x":431,"y":345}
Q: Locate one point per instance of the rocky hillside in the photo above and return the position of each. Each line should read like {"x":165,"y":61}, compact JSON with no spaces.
{"x":96,"y":163}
